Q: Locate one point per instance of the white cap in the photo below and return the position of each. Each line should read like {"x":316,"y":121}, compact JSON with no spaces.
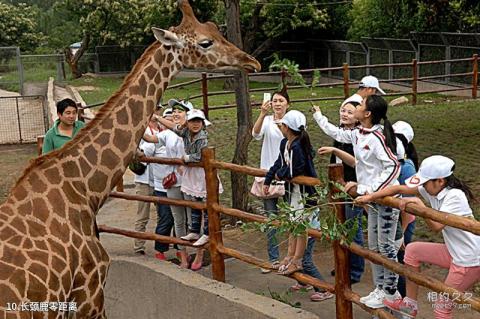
{"x":433,"y":167}
{"x":295,"y":120}
{"x":167,"y":112}
{"x":401,"y":127}
{"x":370,"y":81}
{"x":198,"y":114}
{"x":187,"y":106}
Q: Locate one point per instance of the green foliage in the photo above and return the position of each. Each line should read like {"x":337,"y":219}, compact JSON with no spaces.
{"x":284,"y":297}
{"x":396,"y":18}
{"x":296,"y":221}
{"x":293,"y":72}
{"x":18,"y":26}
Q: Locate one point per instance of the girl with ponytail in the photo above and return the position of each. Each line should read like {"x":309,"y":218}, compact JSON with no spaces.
{"x":376,"y":166}
{"x":296,"y":159}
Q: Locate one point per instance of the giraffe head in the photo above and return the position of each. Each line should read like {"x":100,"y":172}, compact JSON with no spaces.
{"x":201,"y":45}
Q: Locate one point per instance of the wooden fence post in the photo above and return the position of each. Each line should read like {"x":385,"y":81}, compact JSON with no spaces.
{"x":214,"y":227}
{"x":414,"y":81}
{"x":205,"y":93}
{"x":346,"y":79}
{"x":342,"y":272}
{"x":475,"y":76}
{"x":40,"y":144}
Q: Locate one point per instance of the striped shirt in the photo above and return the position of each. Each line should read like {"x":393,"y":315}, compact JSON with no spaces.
{"x":376,"y":165}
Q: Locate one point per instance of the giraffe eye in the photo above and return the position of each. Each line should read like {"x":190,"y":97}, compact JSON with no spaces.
{"x":205,"y":44}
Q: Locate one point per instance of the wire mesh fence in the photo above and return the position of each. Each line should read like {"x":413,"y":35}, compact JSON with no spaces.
{"x":23,"y":119}
{"x":10,"y":70}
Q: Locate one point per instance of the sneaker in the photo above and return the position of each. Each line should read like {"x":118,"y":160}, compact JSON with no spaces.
{"x":140,"y":252}
{"x":375,"y":299}
{"x":398,"y":305}
{"x":321,"y":296}
{"x":191,"y":236}
{"x":370,"y":295}
{"x":298,"y":287}
{"x":202,"y":241}
{"x":160,"y":256}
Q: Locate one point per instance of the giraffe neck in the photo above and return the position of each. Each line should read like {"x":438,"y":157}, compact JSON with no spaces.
{"x":88,"y":167}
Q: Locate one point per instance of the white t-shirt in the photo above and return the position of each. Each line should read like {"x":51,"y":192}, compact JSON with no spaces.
{"x":272,"y":136}
{"x":159,"y":170}
{"x":463,"y":246}
{"x":354,"y":98}
{"x":174,"y":148}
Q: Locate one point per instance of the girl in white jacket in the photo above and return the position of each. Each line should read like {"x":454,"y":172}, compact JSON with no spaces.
{"x":376,"y":167}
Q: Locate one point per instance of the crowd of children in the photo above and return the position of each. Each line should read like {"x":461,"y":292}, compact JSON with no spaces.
{"x":379,"y":160}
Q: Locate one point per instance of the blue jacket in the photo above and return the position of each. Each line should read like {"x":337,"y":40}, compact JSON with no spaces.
{"x":301,"y":165}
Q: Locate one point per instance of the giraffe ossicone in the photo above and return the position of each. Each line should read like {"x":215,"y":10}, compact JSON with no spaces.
{"x":49,"y":251}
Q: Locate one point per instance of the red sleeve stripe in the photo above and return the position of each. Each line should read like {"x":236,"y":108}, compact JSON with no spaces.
{"x":390,"y":154}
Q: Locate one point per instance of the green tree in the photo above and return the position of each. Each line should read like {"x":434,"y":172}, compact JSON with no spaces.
{"x":18,"y":26}
{"x":264,"y":22}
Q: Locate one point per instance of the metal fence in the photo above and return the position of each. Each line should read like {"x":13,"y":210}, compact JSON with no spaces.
{"x":10,"y":69}
{"x":23,"y":119}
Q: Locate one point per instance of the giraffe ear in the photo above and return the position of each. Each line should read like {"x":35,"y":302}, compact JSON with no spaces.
{"x":167,"y":37}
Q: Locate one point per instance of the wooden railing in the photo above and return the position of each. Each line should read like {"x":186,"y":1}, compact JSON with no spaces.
{"x":345,"y":296}
{"x":345,"y":82}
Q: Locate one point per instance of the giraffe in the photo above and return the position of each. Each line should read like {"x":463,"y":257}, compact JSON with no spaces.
{"x":49,"y":251}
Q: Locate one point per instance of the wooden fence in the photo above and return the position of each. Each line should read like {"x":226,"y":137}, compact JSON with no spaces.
{"x":345,"y":296}
{"x":345,"y":82}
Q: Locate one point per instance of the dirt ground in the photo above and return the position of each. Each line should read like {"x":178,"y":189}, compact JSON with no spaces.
{"x":121,"y":213}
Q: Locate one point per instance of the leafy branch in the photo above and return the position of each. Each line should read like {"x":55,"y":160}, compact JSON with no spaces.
{"x":322,"y":212}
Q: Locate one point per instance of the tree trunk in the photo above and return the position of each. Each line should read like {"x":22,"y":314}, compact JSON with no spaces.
{"x":240,"y":189}
{"x":72,"y":60}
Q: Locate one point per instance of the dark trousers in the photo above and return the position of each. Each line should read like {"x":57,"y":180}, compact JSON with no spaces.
{"x":164,"y":222}
{"x":407,"y":239}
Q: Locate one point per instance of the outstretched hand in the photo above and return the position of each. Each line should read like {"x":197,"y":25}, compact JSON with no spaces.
{"x":362,"y":200}
{"x":325,"y":150}
{"x":408,"y":200}
{"x":316,"y":108}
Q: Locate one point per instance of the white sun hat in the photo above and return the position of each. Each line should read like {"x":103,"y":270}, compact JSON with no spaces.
{"x":433,"y":167}
{"x":167,"y":112}
{"x":295,"y":120}
{"x":370,"y":81}
{"x":402,"y":127}
{"x":185,"y":105}
{"x":198,"y":114}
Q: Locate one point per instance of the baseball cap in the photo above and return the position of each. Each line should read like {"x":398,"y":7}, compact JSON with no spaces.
{"x":402,"y":127}
{"x":294,"y":120}
{"x":433,"y":167}
{"x":198,"y":114}
{"x":370,"y":81}
{"x":184,"y":105}
{"x":167,"y":112}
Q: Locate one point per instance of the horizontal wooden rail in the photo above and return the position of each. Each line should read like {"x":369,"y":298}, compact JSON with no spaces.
{"x":464,"y":223}
{"x":444,"y":76}
{"x":144,"y":235}
{"x":267,"y":265}
{"x":444,"y":61}
{"x":160,"y":200}
{"x":178,"y":85}
{"x":419,"y":278}
{"x":168,"y":161}
{"x":304,"y":180}
{"x":384,"y":65}
{"x":305,"y":279}
{"x":445,"y":90}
